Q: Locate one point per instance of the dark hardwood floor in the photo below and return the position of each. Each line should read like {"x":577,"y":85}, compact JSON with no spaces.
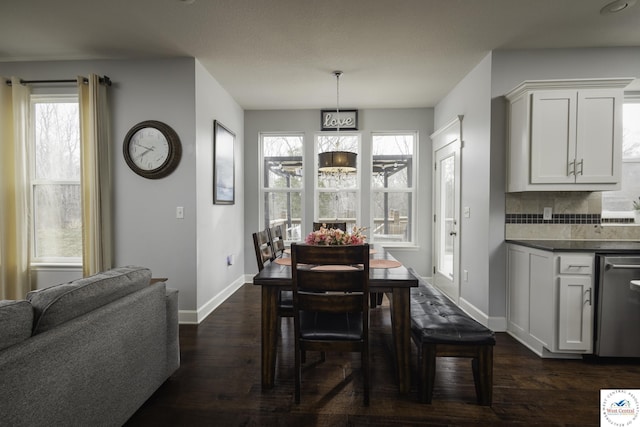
{"x":218,"y":383}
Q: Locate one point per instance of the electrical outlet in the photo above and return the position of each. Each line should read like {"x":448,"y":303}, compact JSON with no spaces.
{"x":180,"y":212}
{"x":467,"y":212}
{"x":547,"y":214}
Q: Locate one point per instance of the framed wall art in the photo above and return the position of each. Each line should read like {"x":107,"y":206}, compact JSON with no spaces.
{"x":224,"y":191}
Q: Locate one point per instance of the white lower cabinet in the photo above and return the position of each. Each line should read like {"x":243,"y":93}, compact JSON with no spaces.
{"x":549,"y":305}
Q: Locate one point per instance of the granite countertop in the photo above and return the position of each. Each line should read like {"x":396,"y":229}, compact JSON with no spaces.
{"x":599,"y":246}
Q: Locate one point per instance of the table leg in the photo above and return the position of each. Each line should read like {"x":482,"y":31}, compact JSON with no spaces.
{"x":269,"y":334}
{"x":401,"y":324}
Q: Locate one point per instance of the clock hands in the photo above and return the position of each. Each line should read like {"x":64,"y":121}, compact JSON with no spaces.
{"x":145,"y":152}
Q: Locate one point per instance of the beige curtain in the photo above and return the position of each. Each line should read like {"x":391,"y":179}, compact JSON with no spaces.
{"x":96,"y":176}
{"x":15,"y":280}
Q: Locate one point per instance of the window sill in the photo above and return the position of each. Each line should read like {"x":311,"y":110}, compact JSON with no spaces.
{"x":59,"y":266}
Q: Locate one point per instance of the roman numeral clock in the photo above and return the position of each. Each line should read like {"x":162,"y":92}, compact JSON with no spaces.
{"x":152,"y":149}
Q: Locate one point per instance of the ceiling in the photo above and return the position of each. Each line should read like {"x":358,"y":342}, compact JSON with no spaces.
{"x":280,"y":54}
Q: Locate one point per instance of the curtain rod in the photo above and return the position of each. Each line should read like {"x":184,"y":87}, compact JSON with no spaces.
{"x":103,"y":80}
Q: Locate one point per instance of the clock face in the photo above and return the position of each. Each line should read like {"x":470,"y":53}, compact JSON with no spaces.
{"x":148,"y":148}
{"x":152,"y":149}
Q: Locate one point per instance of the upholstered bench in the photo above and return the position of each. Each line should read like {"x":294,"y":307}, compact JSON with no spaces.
{"x":440,"y":328}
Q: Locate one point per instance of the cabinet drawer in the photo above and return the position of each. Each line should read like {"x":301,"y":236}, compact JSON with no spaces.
{"x":576,"y":264}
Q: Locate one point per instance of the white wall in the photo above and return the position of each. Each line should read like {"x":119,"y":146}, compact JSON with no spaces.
{"x":511,"y":68}
{"x":220,"y":228}
{"x":472,"y":99}
{"x":146,"y":232}
{"x":370,"y":120}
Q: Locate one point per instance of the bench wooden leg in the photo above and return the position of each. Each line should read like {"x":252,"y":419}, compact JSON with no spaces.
{"x":483,"y":375}
{"x":427,"y":372}
{"x":481,"y":365}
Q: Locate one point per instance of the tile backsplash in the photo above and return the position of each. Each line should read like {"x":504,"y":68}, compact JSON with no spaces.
{"x":575,"y":216}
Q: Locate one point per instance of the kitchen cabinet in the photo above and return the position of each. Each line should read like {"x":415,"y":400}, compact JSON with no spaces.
{"x":565,"y":135}
{"x":549,"y":306}
{"x":575,"y":303}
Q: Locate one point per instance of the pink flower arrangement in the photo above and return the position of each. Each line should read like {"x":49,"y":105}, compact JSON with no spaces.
{"x":335,"y":236}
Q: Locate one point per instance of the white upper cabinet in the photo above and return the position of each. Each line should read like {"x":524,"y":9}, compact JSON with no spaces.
{"x":565,"y":135}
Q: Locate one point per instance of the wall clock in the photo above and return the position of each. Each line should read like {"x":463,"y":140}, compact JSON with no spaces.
{"x":152,"y":149}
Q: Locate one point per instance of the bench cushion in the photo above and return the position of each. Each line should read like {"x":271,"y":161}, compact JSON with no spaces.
{"x":436,"y":319}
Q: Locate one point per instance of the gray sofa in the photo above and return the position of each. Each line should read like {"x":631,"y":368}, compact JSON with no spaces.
{"x":89,"y":352}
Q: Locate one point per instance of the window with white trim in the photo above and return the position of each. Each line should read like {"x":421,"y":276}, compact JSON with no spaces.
{"x":54,"y":158}
{"x":619,"y":206}
{"x":282,"y":182}
{"x":337,"y":195}
{"x":392,"y":187}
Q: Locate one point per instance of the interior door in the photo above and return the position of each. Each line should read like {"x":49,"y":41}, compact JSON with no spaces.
{"x":446,"y":208}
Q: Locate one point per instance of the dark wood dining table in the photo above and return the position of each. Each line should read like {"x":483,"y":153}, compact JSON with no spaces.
{"x":396,"y":283}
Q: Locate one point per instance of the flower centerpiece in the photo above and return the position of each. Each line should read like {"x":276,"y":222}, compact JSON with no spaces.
{"x":336,"y":237}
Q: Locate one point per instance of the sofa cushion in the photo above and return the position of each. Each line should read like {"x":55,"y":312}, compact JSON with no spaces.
{"x":60,"y":303}
{"x":16,"y":321}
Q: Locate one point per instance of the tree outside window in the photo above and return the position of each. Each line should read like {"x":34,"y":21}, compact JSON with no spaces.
{"x":392,"y":187}
{"x":55,"y":179}
{"x":337,"y":195}
{"x":282,"y":183}
{"x":619,"y":204}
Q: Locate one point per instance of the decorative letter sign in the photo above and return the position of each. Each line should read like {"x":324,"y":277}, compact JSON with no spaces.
{"x":344,"y":120}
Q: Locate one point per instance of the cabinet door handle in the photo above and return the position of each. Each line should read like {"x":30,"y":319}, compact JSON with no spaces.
{"x":571,"y":168}
{"x":581,"y":163}
{"x":588,"y":293}
{"x":577,"y":266}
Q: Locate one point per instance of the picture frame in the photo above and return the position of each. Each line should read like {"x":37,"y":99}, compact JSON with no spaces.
{"x":344,"y":120}
{"x":224,"y":191}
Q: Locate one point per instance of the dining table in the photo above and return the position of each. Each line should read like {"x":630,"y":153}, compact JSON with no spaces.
{"x":387,"y":275}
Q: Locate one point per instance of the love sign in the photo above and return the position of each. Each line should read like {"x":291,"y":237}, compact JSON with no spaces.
{"x":343,"y":120}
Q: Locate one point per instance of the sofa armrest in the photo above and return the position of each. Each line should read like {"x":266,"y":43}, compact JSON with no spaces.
{"x":173,"y":341}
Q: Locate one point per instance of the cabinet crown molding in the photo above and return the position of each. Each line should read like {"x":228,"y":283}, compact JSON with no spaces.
{"x":603,"y":83}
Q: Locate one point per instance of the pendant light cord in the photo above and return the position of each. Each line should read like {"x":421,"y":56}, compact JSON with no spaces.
{"x":338,"y":74}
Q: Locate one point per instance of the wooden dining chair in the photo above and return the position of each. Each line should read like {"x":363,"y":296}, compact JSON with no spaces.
{"x":276,"y":234}
{"x":336,"y":225}
{"x":331,"y":304}
{"x":263,"y":249}
{"x":265,"y":254}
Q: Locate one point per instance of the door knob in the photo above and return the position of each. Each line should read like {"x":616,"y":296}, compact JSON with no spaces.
{"x":453,"y":233}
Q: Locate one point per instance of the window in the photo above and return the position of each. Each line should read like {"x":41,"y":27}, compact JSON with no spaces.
{"x":337,"y":196}
{"x":392,"y":187}
{"x":617,"y":206}
{"x":282,"y":182}
{"x":55,"y":179}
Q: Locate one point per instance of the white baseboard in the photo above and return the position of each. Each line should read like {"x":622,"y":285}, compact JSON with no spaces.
{"x":496,"y":324}
{"x":194,"y":317}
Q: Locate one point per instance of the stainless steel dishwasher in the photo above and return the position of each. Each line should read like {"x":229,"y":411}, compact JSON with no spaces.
{"x":618,"y":302}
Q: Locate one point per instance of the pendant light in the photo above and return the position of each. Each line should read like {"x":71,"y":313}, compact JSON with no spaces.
{"x":337,"y":163}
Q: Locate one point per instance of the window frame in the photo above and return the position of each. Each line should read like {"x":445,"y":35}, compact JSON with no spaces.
{"x":262,"y":190}
{"x":623,"y":215}
{"x":358,"y":178}
{"x":412,"y":190}
{"x":68,"y":96}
